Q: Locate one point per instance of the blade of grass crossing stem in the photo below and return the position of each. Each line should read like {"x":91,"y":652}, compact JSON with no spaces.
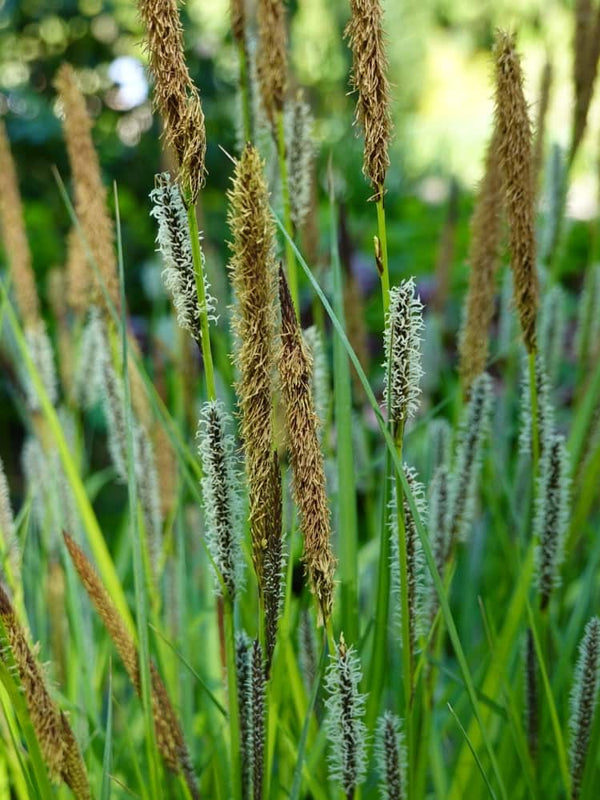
{"x":94,"y":534}
{"x":297,"y":779}
{"x":558,"y":737}
{"x":473,"y":751}
{"x":140,"y":582}
{"x":107,"y":757}
{"x":423,"y":536}
{"x":347,"y":523}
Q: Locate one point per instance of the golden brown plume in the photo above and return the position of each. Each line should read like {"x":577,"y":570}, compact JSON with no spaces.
{"x":369,"y":79}
{"x":272,"y":58}
{"x":516,"y":166}
{"x":305,"y":454}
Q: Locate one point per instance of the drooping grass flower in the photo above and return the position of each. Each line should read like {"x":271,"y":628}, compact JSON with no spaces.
{"x":253,"y":276}
{"x":272,"y":56}
{"x":243,"y":666}
{"x":390,"y":751}
{"x":516,"y":166}
{"x":402,"y":343}
{"x":175,"y":95}
{"x":483,"y":259}
{"x":532,"y":711}
{"x":414,"y":553}
{"x":552,"y":515}
{"x":545,"y":409}
{"x":257,"y":717}
{"x":222,"y":498}
{"x":58,"y":745}
{"x":175,"y":246}
{"x":369,"y":79}
{"x":300,"y":154}
{"x":584,"y":699}
{"x":467,"y":464}
{"x":169,"y":736}
{"x":344,"y":724}
{"x":305,"y":453}
{"x":90,"y":195}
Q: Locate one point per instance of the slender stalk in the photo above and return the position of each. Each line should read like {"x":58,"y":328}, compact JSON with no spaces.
{"x":290,"y":257}
{"x":234,"y":713}
{"x":199,"y":275}
{"x":382,"y":261}
{"x":245,"y":92}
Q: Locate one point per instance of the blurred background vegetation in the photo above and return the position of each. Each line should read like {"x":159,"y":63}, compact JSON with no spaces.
{"x":439,"y":52}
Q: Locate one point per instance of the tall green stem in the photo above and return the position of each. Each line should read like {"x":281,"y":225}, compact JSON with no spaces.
{"x":382,"y":256}
{"x":199,"y":276}
{"x":234,"y":711}
{"x":290,"y":257}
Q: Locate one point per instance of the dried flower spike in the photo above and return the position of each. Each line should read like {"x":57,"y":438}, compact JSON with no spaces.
{"x":552,"y":515}
{"x":484,"y":258}
{"x":369,"y":78}
{"x":403,"y":353}
{"x":175,"y":246}
{"x":306,"y":457}
{"x":175,"y":94}
{"x":222,"y":499}
{"x":516,"y":166}
{"x":253,"y":276}
{"x":390,"y":751}
{"x":272,"y":57}
{"x":584,"y":699}
{"x":345,"y":728}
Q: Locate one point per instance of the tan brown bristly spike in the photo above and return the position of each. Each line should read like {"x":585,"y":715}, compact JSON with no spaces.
{"x":175,"y":95}
{"x":516,"y":166}
{"x":305,"y":454}
{"x":272,"y":56}
{"x":169,"y":736}
{"x":16,"y":246}
{"x":253,"y":277}
{"x":483,"y":260}
{"x":57,"y":743}
{"x":90,"y":198}
{"x":369,"y":79}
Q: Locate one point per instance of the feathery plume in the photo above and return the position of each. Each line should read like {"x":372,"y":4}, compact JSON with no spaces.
{"x":273,"y":565}
{"x":440,"y":436}
{"x":402,"y":341}
{"x":467,"y":466}
{"x":300,"y":155}
{"x":545,"y":410}
{"x":272,"y":57}
{"x":175,"y":246}
{"x":175,"y":95}
{"x":585,"y":67}
{"x":252,"y":271}
{"x":414,"y":552}
{"x":438,"y":530}
{"x":243,"y":667}
{"x":222,"y":498}
{"x":516,"y":166}
{"x":553,"y":326}
{"x":169,"y":736}
{"x":257,"y":717}
{"x":320,"y":374}
{"x":552,"y":515}
{"x":90,"y":194}
{"x":532,"y":711}
{"x":344,"y":724}
{"x":369,"y":79}
{"x":14,"y":235}
{"x":390,"y":751}
{"x":41,"y":353}
{"x":57,"y":744}
{"x":484,"y":259}
{"x":584,"y":698}
{"x":306,"y":457}
{"x":540,"y":126}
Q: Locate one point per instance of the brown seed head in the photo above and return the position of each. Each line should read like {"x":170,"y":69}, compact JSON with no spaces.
{"x":369,"y":78}
{"x":272,"y":57}
{"x":79,"y":274}
{"x":237,"y":13}
{"x":484,"y":254}
{"x":586,"y":53}
{"x":516,"y":166}
{"x":169,"y":736}
{"x":306,"y":457}
{"x":252,"y":272}
{"x":175,"y":95}
{"x":90,"y":194}
{"x":16,"y":246}
{"x":57,"y":743}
